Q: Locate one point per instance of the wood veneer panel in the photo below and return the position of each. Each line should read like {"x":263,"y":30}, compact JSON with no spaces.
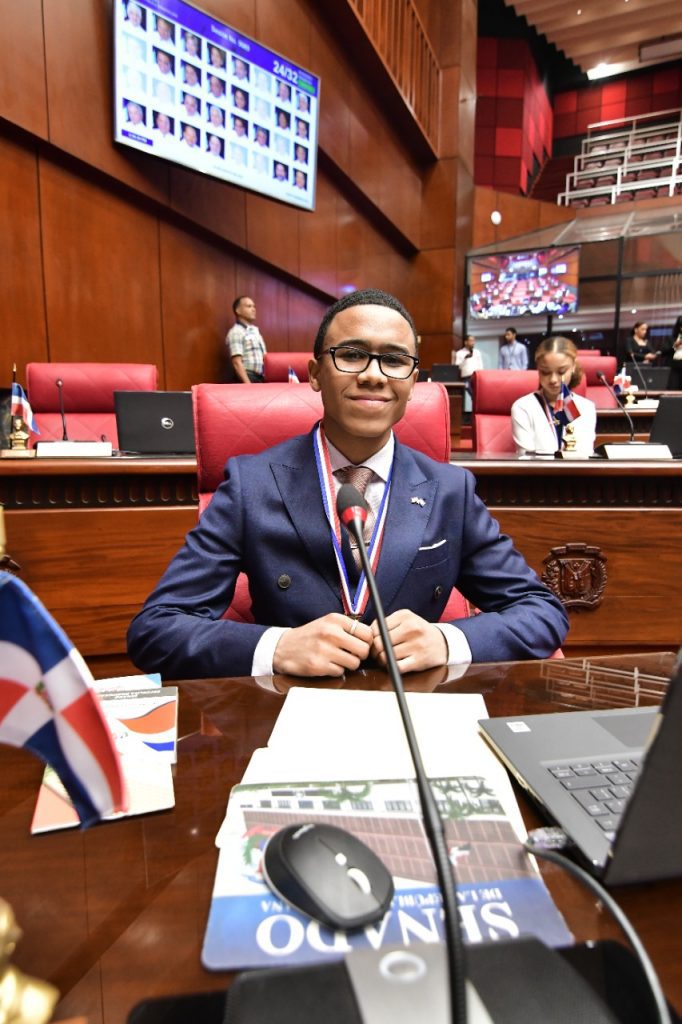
{"x":22,"y":312}
{"x":216,"y":205}
{"x":272,"y":232}
{"x":78,"y":48}
{"x":286,"y":28}
{"x":93,"y":568}
{"x":305,"y":314}
{"x":23,"y":97}
{"x":636,"y":609}
{"x":197,"y":290}
{"x":101,"y":273}
{"x":318,"y":240}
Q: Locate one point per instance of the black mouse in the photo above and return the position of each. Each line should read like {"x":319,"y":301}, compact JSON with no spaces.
{"x":328,"y":874}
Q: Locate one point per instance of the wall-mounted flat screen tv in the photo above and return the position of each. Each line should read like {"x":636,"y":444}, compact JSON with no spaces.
{"x":538,"y":281}
{"x":191,"y":89}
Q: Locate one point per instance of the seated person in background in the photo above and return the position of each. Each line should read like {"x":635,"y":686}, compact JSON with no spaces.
{"x":267,"y":519}
{"x":637,"y":345}
{"x":542,"y":421}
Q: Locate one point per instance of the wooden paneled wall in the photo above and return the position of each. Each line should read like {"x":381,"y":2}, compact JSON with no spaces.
{"x":113,"y":255}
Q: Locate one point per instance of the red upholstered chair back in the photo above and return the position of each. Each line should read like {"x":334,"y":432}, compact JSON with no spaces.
{"x":494,"y":393}
{"x":592,"y":365}
{"x":88,"y":393}
{"x":276,"y":366}
{"x":242,"y":419}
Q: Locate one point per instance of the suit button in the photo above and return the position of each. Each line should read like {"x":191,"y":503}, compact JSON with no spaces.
{"x":437,"y":592}
{"x":284,"y":581}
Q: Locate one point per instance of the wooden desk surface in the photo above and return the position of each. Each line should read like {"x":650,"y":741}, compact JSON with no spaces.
{"x":117,"y":914}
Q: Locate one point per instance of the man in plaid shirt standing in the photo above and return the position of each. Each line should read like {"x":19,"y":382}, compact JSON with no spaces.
{"x":245,"y":342}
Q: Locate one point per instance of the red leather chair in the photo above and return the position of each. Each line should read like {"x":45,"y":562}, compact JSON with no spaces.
{"x":276,"y":366}
{"x":591,"y":366}
{"x":242,"y":419}
{"x":494,"y":393}
{"x":88,"y":393}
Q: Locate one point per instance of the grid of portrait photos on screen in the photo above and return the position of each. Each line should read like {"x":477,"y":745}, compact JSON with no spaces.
{"x":182,"y":96}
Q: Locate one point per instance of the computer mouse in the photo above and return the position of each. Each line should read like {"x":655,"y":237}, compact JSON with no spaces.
{"x":328,"y":874}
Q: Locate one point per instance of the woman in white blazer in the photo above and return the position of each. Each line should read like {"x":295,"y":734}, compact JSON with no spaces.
{"x":543,"y":421}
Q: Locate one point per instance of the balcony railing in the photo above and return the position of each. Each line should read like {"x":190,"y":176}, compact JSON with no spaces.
{"x":396,"y":32}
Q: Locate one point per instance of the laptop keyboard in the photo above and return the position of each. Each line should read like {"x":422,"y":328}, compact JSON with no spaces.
{"x":601,"y":788}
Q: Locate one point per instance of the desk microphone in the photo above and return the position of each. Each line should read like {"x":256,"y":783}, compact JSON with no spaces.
{"x":601,"y":377}
{"x":60,"y":387}
{"x":352,"y":511}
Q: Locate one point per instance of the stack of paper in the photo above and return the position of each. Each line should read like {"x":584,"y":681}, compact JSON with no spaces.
{"x":143,"y":717}
{"x":340,"y":756}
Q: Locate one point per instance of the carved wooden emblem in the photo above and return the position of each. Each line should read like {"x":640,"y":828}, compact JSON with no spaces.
{"x":576,"y":573}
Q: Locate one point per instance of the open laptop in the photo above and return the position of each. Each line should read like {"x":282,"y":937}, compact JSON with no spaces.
{"x":667,"y":425}
{"x":656,"y":378}
{"x":154,"y":422}
{"x":448,"y":373}
{"x":610,"y":779}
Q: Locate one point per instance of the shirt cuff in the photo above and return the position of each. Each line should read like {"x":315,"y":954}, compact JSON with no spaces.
{"x":265,"y":651}
{"x":459,"y":652}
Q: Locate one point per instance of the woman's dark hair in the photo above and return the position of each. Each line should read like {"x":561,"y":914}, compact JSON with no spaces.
{"x":637,"y":323}
{"x":367,"y":297}
{"x":565,"y":347}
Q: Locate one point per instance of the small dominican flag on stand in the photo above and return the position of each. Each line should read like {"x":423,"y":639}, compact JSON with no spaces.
{"x":293,"y":379}
{"x":20,"y":407}
{"x":48,"y":706}
{"x":565,"y":404}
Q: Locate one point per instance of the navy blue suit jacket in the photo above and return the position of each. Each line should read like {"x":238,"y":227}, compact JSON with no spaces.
{"x":266,"y":519}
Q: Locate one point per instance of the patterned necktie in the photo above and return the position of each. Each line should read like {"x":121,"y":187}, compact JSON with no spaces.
{"x":358,"y":477}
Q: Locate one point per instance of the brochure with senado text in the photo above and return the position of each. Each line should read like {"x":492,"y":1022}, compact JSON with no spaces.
{"x":328,"y":741}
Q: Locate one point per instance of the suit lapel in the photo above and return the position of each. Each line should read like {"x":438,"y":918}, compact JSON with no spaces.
{"x":406,"y":523}
{"x":299,"y":487}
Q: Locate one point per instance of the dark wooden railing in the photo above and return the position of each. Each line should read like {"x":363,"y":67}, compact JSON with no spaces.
{"x":396,"y":32}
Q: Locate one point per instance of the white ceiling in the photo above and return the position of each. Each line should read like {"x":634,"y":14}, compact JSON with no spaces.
{"x":592,"y":32}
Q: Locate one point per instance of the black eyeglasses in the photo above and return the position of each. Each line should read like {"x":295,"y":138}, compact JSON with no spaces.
{"x":347,"y":359}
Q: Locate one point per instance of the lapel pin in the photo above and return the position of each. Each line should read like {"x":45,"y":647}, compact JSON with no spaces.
{"x":417,"y":501}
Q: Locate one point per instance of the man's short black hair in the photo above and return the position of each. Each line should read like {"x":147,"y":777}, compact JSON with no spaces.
{"x":235,"y":304}
{"x":511,"y":330}
{"x":366,"y":297}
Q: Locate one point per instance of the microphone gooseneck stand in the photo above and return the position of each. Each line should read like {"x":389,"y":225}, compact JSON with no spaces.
{"x":351,"y":508}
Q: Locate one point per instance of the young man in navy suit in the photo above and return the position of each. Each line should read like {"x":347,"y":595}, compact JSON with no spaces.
{"x":273,"y":518}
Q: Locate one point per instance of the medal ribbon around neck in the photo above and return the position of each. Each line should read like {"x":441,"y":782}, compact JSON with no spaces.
{"x":554,"y":421}
{"x":353,"y":604}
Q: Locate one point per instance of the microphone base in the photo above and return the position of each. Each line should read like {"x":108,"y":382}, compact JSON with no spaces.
{"x":74,"y":449}
{"x":520,"y":982}
{"x":633,"y":450}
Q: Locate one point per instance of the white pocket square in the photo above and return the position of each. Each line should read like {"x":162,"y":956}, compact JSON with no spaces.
{"x":438,"y":544}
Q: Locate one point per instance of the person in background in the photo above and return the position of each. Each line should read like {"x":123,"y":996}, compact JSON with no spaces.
{"x":469,"y":359}
{"x":637,"y":345}
{"x":245,"y":342}
{"x":543,"y":420}
{"x":674,"y":356}
{"x":513,"y":354}
{"x":312,"y":617}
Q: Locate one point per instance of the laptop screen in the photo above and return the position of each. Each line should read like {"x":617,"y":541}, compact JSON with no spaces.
{"x":155,"y":422}
{"x":667,"y":425}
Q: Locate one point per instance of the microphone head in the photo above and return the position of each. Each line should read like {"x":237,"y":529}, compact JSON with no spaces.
{"x":601,"y":376}
{"x":350,"y":504}
{"x":59,"y":382}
